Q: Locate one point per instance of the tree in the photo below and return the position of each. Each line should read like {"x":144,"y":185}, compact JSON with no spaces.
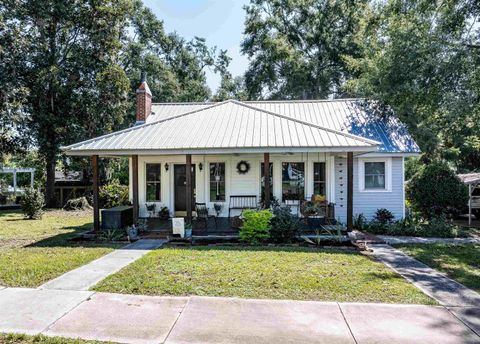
{"x":296,"y":48}
{"x":175,"y":67}
{"x":436,"y":190}
{"x":69,"y":65}
{"x":421,"y":59}
{"x":12,"y":92}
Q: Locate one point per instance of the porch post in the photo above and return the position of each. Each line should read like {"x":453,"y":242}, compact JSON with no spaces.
{"x":15,"y":181}
{"x":266,"y":174}
{"x":96,"y":213}
{"x":188,"y":198}
{"x":135,"y":188}
{"x":469,"y":205}
{"x":349,"y":191}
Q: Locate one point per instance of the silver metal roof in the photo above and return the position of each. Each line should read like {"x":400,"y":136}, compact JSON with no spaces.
{"x":346,"y":115}
{"x":229,"y":126}
{"x":470,"y":178}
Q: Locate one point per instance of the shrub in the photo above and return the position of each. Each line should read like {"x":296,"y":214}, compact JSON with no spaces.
{"x":436,"y":190}
{"x":256,"y":226}
{"x":113,"y":195}
{"x":383,"y":216}
{"x":32,"y":203}
{"x":360,"y":222}
{"x":284,"y":225}
{"x":440,"y":227}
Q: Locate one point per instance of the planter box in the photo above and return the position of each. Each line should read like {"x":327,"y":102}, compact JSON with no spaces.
{"x":117,"y":217}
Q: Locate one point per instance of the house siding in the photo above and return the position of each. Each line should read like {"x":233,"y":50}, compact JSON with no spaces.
{"x":249,"y":184}
{"x":367,"y":203}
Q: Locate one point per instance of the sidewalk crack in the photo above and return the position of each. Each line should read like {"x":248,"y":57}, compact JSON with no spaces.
{"x":176,"y":320}
{"x":346,"y":322}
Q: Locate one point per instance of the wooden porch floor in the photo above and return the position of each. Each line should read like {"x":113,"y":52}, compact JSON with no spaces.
{"x":223,"y":228}
{"x":163,"y":228}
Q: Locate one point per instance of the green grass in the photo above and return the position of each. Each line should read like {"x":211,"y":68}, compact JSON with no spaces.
{"x":24,"y":339}
{"x":274,"y":273}
{"x":459,"y":262}
{"x":35,"y":251}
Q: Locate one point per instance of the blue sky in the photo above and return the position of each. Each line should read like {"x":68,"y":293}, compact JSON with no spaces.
{"x":220,"y":22}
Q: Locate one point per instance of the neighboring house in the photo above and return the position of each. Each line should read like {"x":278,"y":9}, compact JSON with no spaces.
{"x":311,"y":146}
{"x":70,"y":184}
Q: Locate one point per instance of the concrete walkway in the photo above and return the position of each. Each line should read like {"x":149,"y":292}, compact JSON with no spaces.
{"x":392,"y":240}
{"x":153,"y":319}
{"x":460,"y":300}
{"x":86,"y":276}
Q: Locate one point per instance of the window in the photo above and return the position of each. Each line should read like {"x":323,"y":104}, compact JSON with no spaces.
{"x":319,"y":184}
{"x":262,"y":180}
{"x":153,"y":182}
{"x":217,"y":181}
{"x":293,"y":181}
{"x":375,"y":174}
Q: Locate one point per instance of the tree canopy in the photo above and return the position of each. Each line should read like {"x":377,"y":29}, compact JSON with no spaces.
{"x":296,"y":47}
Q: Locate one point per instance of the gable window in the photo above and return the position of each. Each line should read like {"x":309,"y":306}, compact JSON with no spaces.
{"x":293,"y":181}
{"x":375,"y":174}
{"x":217,"y":181}
{"x":319,"y":182}
{"x":153,"y":182}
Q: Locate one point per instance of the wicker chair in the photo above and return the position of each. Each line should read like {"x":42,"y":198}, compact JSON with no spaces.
{"x":202,"y":214}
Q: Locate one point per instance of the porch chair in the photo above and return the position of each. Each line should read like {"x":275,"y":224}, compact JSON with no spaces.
{"x":202,"y":214}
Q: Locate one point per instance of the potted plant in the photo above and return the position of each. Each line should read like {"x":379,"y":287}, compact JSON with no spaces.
{"x":164,"y":213}
{"x":218,"y":208}
{"x":188,"y":230}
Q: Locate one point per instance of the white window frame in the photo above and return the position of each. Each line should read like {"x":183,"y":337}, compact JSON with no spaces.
{"x":388,"y":174}
{"x":207,"y":176}
{"x":156,"y":182}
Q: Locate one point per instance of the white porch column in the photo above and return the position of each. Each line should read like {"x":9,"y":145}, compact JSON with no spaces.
{"x":15,"y":182}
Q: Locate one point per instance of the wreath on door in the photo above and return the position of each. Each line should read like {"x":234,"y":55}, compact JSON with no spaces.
{"x":243,"y":167}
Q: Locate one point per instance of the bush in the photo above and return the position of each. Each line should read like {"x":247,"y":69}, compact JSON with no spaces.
{"x":256,"y":226}
{"x":440,"y":227}
{"x":383,"y":216}
{"x":360,"y":222}
{"x":113,"y":195}
{"x":284,"y":225}
{"x":32,"y":203}
{"x":436,"y":190}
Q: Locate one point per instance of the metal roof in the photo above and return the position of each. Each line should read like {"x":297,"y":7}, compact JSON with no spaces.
{"x":345,"y":115}
{"x":469,"y":178}
{"x":229,"y":126}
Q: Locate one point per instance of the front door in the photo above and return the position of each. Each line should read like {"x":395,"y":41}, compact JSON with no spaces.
{"x":180,"y":180}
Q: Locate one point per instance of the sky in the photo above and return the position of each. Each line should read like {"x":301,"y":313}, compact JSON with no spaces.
{"x":220,"y":22}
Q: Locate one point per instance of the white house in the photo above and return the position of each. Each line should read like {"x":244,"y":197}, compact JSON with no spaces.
{"x":325,"y":147}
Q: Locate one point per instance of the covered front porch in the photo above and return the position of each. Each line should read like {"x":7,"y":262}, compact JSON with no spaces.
{"x":179,"y":184}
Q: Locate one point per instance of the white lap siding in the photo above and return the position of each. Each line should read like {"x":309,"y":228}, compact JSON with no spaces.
{"x":236,"y":184}
{"x":367,"y":203}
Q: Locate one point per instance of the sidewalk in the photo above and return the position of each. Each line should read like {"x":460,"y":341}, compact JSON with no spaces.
{"x":153,"y":319}
{"x":86,"y":276}
{"x":460,"y":300}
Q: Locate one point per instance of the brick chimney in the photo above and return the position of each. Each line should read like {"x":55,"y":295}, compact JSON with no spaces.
{"x":144,"y":101}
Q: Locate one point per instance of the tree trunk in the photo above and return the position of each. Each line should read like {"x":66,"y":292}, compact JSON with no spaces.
{"x":50,"y":185}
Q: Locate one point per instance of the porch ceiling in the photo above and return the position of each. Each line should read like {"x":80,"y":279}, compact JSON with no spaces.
{"x":225,"y":127}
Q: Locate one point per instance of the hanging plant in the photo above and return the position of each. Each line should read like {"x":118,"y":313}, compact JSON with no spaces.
{"x":243,"y":167}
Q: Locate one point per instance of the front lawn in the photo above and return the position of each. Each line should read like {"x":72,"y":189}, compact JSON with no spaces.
{"x":35,"y":251}
{"x":273,"y":273}
{"x":459,"y":262}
